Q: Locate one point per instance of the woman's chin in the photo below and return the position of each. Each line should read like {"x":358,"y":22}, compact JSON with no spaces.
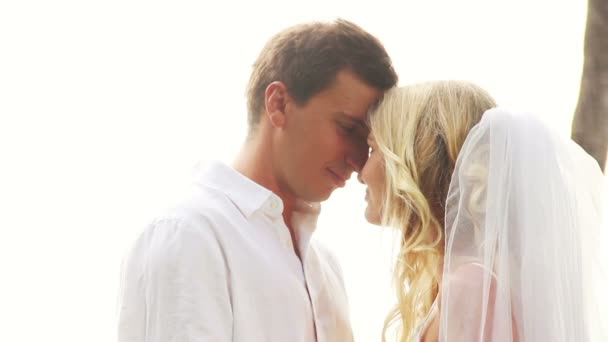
{"x":372,"y":217}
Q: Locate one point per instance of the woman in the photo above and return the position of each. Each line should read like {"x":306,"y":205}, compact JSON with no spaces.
{"x":498,"y":218}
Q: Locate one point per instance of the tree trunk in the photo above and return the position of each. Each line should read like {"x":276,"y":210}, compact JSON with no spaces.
{"x":590,"y":124}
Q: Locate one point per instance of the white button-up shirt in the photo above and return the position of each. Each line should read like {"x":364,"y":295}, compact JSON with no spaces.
{"x":222,"y":267}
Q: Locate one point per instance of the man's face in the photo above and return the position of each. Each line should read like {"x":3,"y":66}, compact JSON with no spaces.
{"x":324,"y":141}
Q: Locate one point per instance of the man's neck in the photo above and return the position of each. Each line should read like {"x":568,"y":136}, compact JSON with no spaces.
{"x":255,"y":161}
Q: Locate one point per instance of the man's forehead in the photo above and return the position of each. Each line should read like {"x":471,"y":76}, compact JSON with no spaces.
{"x":355,"y":105}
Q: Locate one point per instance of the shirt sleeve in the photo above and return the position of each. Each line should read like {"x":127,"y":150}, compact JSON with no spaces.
{"x":176,"y":286}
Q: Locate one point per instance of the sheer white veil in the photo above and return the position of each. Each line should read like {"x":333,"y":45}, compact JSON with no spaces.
{"x":523,"y":220}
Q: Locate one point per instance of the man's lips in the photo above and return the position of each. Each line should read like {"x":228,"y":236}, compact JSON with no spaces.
{"x":340,"y":180}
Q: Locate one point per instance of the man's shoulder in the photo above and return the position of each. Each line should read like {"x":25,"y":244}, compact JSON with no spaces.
{"x":199,"y":204}
{"x":201,"y":211}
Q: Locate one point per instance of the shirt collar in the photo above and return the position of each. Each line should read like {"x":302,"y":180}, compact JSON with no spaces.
{"x":247,"y":195}
{"x":250,"y":197}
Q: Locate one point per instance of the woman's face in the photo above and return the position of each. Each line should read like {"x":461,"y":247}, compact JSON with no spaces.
{"x":373,"y":176}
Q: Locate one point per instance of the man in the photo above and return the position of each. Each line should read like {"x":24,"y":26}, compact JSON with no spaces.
{"x":235,"y":261}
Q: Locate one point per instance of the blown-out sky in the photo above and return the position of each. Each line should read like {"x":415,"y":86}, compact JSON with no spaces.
{"x":107,"y":106}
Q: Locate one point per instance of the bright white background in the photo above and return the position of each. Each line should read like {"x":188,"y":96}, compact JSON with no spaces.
{"x":106,"y":106}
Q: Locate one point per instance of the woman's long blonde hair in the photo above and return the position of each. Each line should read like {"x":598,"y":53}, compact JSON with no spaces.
{"x":419,"y":130}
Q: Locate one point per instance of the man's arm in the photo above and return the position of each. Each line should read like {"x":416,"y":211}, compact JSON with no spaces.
{"x":181,"y":275}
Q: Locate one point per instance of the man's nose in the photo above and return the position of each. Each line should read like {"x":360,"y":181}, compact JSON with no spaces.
{"x":358,"y":157}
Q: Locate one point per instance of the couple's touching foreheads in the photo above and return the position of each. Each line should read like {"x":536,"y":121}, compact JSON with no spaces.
{"x":497,"y":214}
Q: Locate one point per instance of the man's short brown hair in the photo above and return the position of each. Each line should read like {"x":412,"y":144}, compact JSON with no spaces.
{"x":307,"y":58}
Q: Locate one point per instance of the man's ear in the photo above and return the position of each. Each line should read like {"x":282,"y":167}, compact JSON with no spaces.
{"x":275,"y":99}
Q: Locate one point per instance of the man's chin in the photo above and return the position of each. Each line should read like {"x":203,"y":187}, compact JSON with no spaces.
{"x":318,"y":196}
{"x":323,"y":194}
